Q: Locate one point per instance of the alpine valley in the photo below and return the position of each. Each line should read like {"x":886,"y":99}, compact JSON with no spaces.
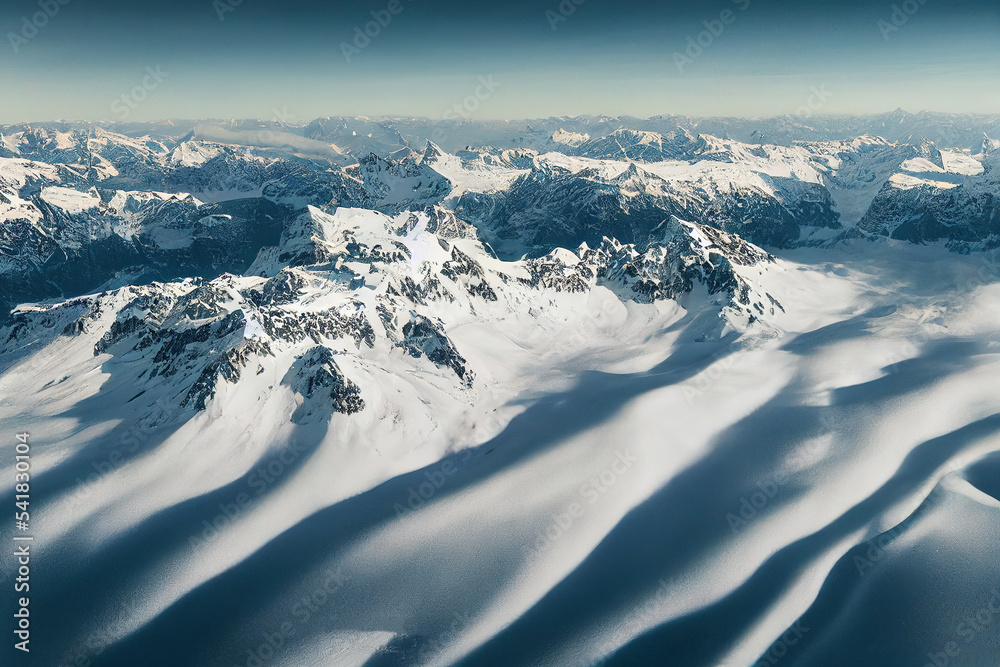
{"x":363,"y":392}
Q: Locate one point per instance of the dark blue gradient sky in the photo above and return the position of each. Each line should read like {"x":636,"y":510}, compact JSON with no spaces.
{"x":272,"y":59}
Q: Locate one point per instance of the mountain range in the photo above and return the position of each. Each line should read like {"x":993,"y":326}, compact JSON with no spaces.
{"x":566,"y":391}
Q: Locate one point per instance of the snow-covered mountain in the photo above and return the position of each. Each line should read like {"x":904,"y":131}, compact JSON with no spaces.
{"x":566,"y":200}
{"x":559,"y":392}
{"x":953,"y":197}
{"x":83,"y":206}
{"x":357,"y":285}
{"x":384,"y":135}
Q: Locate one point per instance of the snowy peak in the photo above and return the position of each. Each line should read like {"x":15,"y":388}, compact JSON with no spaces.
{"x":397,"y":185}
{"x":679,"y":256}
{"x":46,"y":144}
{"x":946,"y":196}
{"x":318,"y":238}
{"x":570,"y":139}
{"x":432,"y":152}
{"x":708,"y":239}
{"x":343,"y":289}
{"x":990,"y":154}
{"x":643,"y":146}
{"x":437,"y":220}
{"x":928,"y":151}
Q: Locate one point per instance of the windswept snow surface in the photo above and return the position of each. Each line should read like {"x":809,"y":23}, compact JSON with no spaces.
{"x":621,"y":487}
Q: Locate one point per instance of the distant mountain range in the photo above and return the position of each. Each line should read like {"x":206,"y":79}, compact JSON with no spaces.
{"x":84,"y":206}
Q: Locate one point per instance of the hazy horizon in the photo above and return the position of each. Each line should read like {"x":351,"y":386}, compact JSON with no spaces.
{"x":378,"y":117}
{"x":142,"y":61}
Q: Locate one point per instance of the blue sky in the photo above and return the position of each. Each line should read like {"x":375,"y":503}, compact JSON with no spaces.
{"x":275,"y":59}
